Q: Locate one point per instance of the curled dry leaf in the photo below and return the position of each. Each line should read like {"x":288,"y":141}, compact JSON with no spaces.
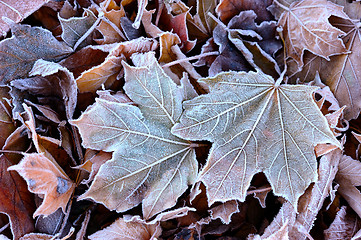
{"x":45,"y":177}
{"x":227,"y":9}
{"x":129,"y":178}
{"x":93,"y":163}
{"x":178,"y":25}
{"x":343,"y":227}
{"x":302,"y":31}
{"x":109,"y":26}
{"x":75,"y":27}
{"x":25,"y":47}
{"x":128,"y":230}
{"x":224,"y":211}
{"x":229,"y":58}
{"x":312,"y":201}
{"x":348,"y":177}
{"x":16,"y":201}
{"x":261,"y":46}
{"x":17,"y":12}
{"x":248,"y":118}
{"x":106,"y":73}
{"x":61,"y":81}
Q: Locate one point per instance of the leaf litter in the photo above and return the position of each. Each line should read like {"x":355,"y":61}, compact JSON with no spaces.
{"x":204,"y":119}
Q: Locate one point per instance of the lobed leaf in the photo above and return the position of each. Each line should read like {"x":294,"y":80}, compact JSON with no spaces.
{"x":302,"y":31}
{"x":255,"y":126}
{"x":149,"y":164}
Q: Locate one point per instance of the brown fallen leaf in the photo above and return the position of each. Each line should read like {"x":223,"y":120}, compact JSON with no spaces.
{"x":25,"y":47}
{"x":17,"y":12}
{"x":109,"y":26}
{"x":224,"y":211}
{"x":229,"y":58}
{"x":302,"y":31}
{"x":352,"y":9}
{"x":343,"y":226}
{"x":37,"y":236}
{"x":227,"y":9}
{"x":348,"y":177}
{"x":203,"y":8}
{"x":150,"y":29}
{"x":312,"y":201}
{"x":93,"y":162}
{"x":124,"y":230}
{"x":257,"y":43}
{"x":285,"y":217}
{"x":55,"y":75}
{"x":75,"y":27}
{"x":107,"y":72}
{"x":44,"y":177}
{"x":84,"y":59}
{"x":16,"y":201}
{"x":177,"y":24}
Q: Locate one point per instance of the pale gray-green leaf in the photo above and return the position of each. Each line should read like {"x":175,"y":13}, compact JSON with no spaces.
{"x":149,"y":164}
{"x":155,"y":92}
{"x":255,"y":126}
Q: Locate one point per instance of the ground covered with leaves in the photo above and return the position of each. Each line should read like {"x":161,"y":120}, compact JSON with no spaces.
{"x":170,"y":119}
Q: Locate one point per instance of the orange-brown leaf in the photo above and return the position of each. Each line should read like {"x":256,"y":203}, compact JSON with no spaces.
{"x":44,"y":177}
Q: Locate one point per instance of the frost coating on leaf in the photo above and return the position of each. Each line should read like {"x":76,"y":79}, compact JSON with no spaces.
{"x":149,"y":164}
{"x":255,"y":126}
{"x":75,"y":27}
{"x":160,"y":98}
{"x":28,"y":44}
{"x":303,"y":31}
{"x":44,"y":177}
{"x":121,"y":229}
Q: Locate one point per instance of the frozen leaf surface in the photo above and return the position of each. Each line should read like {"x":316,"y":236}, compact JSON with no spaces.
{"x":149,"y":164}
{"x":44,"y":177}
{"x":255,"y":126}
{"x":75,"y":27}
{"x":17,"y":12}
{"x":303,"y":31}
{"x":28,"y":44}
{"x":124,"y":230}
{"x":342,"y":73}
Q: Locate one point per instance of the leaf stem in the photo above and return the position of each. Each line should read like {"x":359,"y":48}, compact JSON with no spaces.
{"x":280,"y":79}
{"x":259,"y":190}
{"x":190,"y":58}
{"x":10,"y":151}
{"x":90,"y":30}
{"x":217,"y":20}
{"x":195,"y":145}
{"x":281,"y":5}
{"x":4,"y":227}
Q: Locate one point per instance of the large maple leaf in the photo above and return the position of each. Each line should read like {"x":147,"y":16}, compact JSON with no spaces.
{"x":149,"y":164}
{"x":302,"y":30}
{"x":255,"y":125}
{"x":342,"y":73}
